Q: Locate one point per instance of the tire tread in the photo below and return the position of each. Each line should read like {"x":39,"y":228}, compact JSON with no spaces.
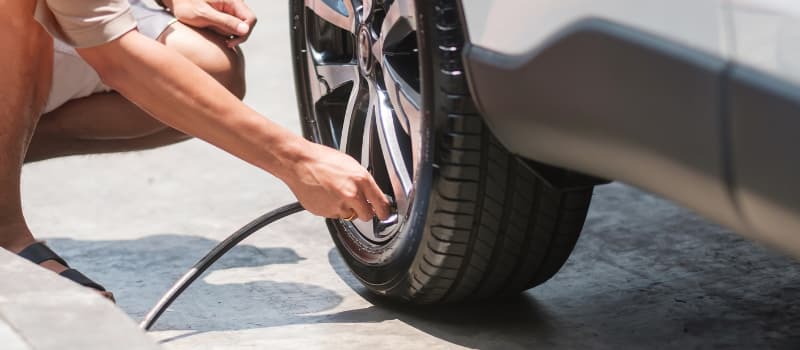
{"x":495,"y":228}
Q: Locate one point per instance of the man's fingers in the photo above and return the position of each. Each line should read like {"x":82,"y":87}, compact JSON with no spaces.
{"x":237,"y":40}
{"x":378,"y":200}
{"x":240,"y":10}
{"x":362,"y":210}
{"x":226,"y":24}
{"x":232,"y":43}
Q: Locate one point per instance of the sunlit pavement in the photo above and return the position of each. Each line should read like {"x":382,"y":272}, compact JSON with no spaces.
{"x":645,"y":274}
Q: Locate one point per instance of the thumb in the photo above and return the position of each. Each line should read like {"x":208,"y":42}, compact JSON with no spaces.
{"x":226,"y":23}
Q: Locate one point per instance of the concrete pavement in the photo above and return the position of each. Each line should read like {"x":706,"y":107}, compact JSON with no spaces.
{"x":41,"y":311}
{"x":645,"y":274}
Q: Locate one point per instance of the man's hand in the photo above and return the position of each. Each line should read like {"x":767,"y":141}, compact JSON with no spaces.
{"x":332,"y":184}
{"x":226,"y":17}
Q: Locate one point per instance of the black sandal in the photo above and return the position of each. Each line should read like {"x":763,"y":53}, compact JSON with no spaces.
{"x":38,"y":253}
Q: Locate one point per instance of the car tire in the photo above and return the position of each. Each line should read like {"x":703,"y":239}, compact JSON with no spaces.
{"x":479,"y":222}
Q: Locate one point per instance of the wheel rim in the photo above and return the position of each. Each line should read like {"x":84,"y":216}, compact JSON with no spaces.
{"x":363,"y":64}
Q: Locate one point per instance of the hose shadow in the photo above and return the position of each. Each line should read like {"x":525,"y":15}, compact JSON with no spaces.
{"x":139,"y":271}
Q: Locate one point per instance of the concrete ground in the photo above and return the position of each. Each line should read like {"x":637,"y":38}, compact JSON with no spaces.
{"x":41,"y":311}
{"x":645,"y":274}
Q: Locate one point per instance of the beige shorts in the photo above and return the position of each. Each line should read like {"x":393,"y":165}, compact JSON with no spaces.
{"x":73,"y":78}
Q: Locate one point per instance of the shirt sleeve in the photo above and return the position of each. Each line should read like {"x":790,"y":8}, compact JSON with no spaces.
{"x":85,"y":23}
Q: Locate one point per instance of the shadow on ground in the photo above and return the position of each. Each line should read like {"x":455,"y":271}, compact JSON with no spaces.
{"x":653,"y":317}
{"x":645,"y":274}
{"x":139,"y":271}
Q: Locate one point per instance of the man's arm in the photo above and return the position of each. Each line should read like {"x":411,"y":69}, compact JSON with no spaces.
{"x":181,"y":95}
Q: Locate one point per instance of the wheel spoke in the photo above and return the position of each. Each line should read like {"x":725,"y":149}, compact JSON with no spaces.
{"x":402,"y":95}
{"x":350,"y":123}
{"x":366,"y":137}
{"x":335,"y":75}
{"x":399,"y":22}
{"x":377,"y":51}
{"x":366,"y":10}
{"x":317,"y":89}
{"x":393,"y":152}
{"x":406,"y":101}
{"x":367,"y":228}
{"x":337,"y":12}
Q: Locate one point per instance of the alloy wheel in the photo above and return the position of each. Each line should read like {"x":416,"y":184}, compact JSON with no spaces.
{"x":364,"y":78}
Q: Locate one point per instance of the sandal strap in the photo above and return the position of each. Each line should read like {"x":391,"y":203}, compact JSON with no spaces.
{"x":38,"y":253}
{"x":79,"y":278}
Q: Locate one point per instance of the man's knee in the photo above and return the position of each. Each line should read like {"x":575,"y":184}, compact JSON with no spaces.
{"x":209,"y":51}
{"x":234,"y":76}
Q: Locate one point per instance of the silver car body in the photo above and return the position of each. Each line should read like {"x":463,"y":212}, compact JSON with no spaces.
{"x":733,"y":158}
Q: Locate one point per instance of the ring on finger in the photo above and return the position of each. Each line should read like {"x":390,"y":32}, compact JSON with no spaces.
{"x":351,"y":217}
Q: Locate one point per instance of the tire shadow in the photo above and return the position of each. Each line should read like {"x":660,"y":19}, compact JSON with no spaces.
{"x":509,"y":323}
{"x":645,"y":274}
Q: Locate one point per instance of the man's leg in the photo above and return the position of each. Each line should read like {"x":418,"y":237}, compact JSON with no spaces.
{"x":28,"y":54}
{"x":107,"y":122}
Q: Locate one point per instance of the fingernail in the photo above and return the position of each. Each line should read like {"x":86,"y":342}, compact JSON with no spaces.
{"x":243,"y":28}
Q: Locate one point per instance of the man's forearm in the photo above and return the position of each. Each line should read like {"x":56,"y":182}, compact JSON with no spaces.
{"x":181,"y":95}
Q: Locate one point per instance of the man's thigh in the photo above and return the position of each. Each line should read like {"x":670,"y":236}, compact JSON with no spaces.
{"x":74,"y":78}
{"x":80,"y":109}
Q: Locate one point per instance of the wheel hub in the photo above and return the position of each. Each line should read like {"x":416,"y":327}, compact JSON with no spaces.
{"x":365,"y":61}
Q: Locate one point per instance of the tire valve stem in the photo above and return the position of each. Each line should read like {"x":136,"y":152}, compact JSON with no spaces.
{"x":381,"y":227}
{"x":392,"y":205}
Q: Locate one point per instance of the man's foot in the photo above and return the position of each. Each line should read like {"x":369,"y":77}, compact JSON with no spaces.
{"x":42,"y":255}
